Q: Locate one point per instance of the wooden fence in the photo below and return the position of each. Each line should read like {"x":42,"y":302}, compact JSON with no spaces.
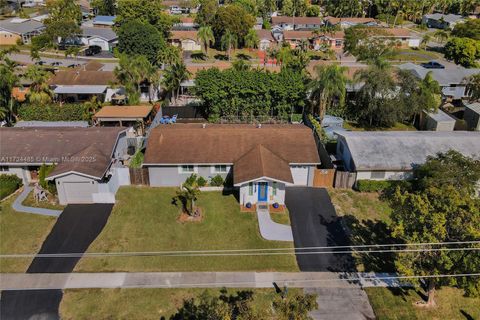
{"x":139,"y":176}
{"x":344,"y":179}
{"x":323,"y":178}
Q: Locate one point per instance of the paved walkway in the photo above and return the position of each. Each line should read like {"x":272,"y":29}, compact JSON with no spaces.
{"x":36,"y":281}
{"x":17,"y":205}
{"x":271,"y":230}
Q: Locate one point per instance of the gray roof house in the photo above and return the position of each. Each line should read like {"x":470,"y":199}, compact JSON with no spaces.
{"x":391,"y":155}
{"x":259,"y":160}
{"x":451,"y":79}
{"x":103,"y":37}
{"x":87,"y":161}
{"x":12,"y":30}
{"x":442,"y":21}
{"x":472,"y":116}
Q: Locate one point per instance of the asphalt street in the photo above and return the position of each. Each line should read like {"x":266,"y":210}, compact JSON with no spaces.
{"x":74,"y":231}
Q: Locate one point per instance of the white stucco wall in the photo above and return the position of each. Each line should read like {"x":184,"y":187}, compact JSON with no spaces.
{"x":388,"y":175}
{"x":245,"y":197}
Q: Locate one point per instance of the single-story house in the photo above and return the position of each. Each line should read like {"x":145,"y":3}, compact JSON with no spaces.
{"x":436,"y":121}
{"x":265,"y":38}
{"x":297,"y":23}
{"x":391,"y":155}
{"x":348,"y":22}
{"x":185,"y":23}
{"x":332,"y":40}
{"x":451,"y":79}
{"x":81,"y":85}
{"x":104,"y":21}
{"x":258,"y":160}
{"x":18,"y":29}
{"x":401,"y":36}
{"x":442,"y":21}
{"x":103,"y":37}
{"x":87,"y":161}
{"x":472,"y":116}
{"x":187,"y":40}
{"x":125,"y":116}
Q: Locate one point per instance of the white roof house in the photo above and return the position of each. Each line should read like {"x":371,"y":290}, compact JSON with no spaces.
{"x":442,"y":21}
{"x":392,"y":154}
{"x":24,"y":28}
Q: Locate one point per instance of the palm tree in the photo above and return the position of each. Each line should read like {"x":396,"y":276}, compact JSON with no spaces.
{"x":40,"y":92}
{"x":228,"y":42}
{"x":251,"y":39}
{"x":169,"y":55}
{"x":206,"y":37}
{"x":173,"y":77}
{"x":188,"y":193}
{"x":473,"y":87}
{"x":425,"y":40}
{"x":131,"y":72}
{"x":441,"y":35}
{"x":329,"y":83}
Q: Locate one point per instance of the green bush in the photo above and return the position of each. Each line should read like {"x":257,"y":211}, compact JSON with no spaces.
{"x":8,"y":184}
{"x":296,"y":117}
{"x":137,"y":160}
{"x":217,"y":181}
{"x":201,"y":182}
{"x":54,"y":112}
{"x":373,"y":185}
{"x":45,"y":184}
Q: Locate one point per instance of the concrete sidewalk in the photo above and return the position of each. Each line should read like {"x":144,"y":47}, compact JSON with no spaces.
{"x":32,"y":281}
{"x":270,"y":230}
{"x":18,"y":206}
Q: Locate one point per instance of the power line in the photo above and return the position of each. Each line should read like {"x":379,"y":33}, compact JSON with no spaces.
{"x":216,"y":253}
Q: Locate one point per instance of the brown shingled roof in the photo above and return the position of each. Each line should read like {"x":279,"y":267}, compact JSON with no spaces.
{"x":261,"y":162}
{"x":264,"y":34}
{"x":85,"y":78}
{"x":298,"y":20}
{"x":192,"y":144}
{"x":124,"y":112}
{"x":184,"y":34}
{"x":83,"y":150}
{"x":293,"y":35}
{"x":334,"y":20}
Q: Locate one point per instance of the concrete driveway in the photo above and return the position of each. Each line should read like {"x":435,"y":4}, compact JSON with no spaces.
{"x":74,"y":231}
{"x":315,"y":224}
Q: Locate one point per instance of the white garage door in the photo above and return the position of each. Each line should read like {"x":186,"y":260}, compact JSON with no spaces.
{"x":300,"y":175}
{"x":78,"y":192}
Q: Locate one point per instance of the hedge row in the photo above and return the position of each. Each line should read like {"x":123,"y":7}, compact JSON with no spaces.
{"x":8,"y":184}
{"x":53,"y":112}
{"x":374,"y":185}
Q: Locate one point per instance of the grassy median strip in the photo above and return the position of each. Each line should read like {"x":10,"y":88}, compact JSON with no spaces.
{"x":144,"y":219}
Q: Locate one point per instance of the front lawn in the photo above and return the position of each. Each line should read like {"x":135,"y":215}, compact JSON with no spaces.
{"x":144,"y":219}
{"x":21,"y":233}
{"x":30,"y":202}
{"x":396,"y":304}
{"x":142,"y":303}
{"x":415,"y":55}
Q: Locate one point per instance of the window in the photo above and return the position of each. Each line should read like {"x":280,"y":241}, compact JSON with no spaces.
{"x":187,"y":169}
{"x":274,"y":189}
{"x":338,"y":43}
{"x":250,"y":188}
{"x":378,"y":175}
{"x":220,"y":169}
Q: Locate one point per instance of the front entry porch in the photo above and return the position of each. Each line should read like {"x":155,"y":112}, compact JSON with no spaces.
{"x":266,"y":191}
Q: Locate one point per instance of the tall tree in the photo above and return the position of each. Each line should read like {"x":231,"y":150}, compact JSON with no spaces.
{"x":8,"y":79}
{"x":251,"y":39}
{"x":131,"y":72}
{"x":206,"y":12}
{"x":228,"y":42}
{"x":469,"y":29}
{"x":40,"y":92}
{"x":234,"y":19}
{"x":174,"y":75}
{"x":463,"y":51}
{"x":439,"y":205}
{"x":206,"y":37}
{"x":473,"y":87}
{"x":328,"y":85}
{"x":104,"y":7}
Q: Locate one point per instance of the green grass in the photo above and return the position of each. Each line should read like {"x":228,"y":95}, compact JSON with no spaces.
{"x":144,"y":219}
{"x":415,"y":55}
{"x":451,"y":305}
{"x":283,"y":218}
{"x":142,"y":303}
{"x":352,"y":126}
{"x":30,"y":202}
{"x":20,"y":233}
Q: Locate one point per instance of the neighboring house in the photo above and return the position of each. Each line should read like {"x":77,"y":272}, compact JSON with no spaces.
{"x":348,"y":22}
{"x":186,"y":40}
{"x":472,"y":116}
{"x":103,"y":37}
{"x":258,"y":160}
{"x":265,"y":38}
{"x":436,"y":121}
{"x":87,"y":161}
{"x":391,"y":155}
{"x":401,"y":36}
{"x":258,"y":23}
{"x":451,"y":79}
{"x":331,"y":40}
{"x":179,"y":7}
{"x":52,"y":124}
{"x":104,"y":21}
{"x":296,"y":23}
{"x":442,"y":21}
{"x":17,"y":30}
{"x":82,"y":85}
{"x":125,"y":116}
{"x":186,"y":23}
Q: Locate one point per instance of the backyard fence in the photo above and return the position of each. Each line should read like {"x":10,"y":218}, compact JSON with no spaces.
{"x":139,"y":176}
{"x":344,"y":179}
{"x":323,"y":178}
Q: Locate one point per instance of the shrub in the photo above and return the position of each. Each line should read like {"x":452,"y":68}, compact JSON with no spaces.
{"x":296,"y":117}
{"x":8,"y":184}
{"x":137,"y":160}
{"x":45,"y":184}
{"x":201,"y":182}
{"x":53,"y":112}
{"x":374,"y":185}
{"x":216,"y":181}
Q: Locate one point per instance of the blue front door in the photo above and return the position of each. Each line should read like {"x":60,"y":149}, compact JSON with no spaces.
{"x":262,"y":191}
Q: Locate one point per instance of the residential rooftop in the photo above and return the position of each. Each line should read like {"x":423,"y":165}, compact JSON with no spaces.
{"x":446,"y":17}
{"x":123,"y":112}
{"x":445,"y":77}
{"x":20,"y":26}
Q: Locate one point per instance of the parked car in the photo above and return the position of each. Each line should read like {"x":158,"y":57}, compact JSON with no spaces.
{"x":93,"y":50}
{"x":55,"y":63}
{"x":433,"y":65}
{"x":73,"y":65}
{"x":40,"y":63}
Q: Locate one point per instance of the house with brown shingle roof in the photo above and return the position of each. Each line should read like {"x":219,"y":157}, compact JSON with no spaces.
{"x":333,"y":40}
{"x":296,"y":23}
{"x":87,"y":160}
{"x":347,"y":22}
{"x":187,"y":40}
{"x":259,"y":161}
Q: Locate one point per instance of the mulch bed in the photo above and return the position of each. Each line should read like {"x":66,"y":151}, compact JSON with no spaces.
{"x":253,"y":208}
{"x":185,"y":217}
{"x":280,"y":209}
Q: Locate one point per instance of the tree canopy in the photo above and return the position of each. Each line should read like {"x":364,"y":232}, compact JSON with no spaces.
{"x":249,"y":94}
{"x":463,"y":51}
{"x":469,"y":29}
{"x":105,"y":7}
{"x":232,"y":18}
{"x":367,"y":43}
{"x":439,"y":205}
